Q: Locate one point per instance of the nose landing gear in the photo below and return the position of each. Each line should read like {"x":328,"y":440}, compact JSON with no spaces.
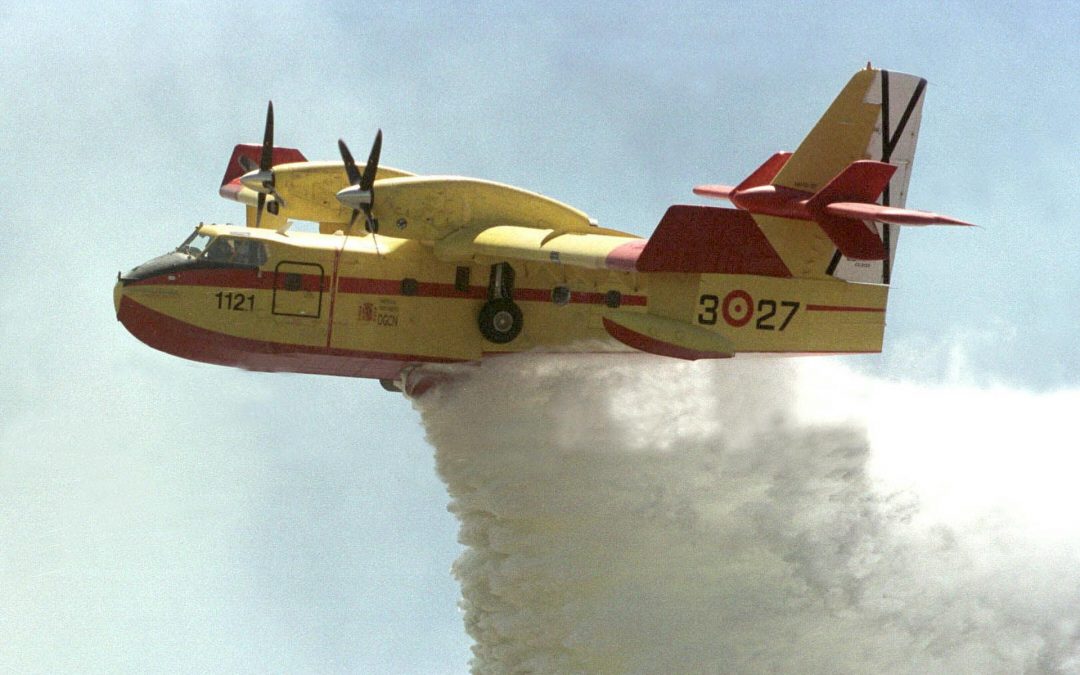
{"x":500,"y":318}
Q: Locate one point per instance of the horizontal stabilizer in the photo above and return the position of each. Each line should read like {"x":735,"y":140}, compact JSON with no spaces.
{"x":890,"y":214}
{"x":763,"y":175}
{"x":714,"y":191}
{"x":710,"y":240}
{"x":667,"y":337}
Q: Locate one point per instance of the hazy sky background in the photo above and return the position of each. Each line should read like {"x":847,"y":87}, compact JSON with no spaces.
{"x":158,"y":513}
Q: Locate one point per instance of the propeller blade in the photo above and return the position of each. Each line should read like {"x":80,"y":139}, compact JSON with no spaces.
{"x":350,"y":165}
{"x":259,"y":209}
{"x":267,"y":158}
{"x":266,"y":161}
{"x":372,"y":166}
{"x":360,"y":193}
{"x":247,"y":163}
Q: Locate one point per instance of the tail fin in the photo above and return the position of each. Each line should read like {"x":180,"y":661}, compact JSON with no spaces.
{"x":876,"y":116}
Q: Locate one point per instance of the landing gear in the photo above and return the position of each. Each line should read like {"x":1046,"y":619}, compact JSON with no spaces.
{"x":500,"y":318}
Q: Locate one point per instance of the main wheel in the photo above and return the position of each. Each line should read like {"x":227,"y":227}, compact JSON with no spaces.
{"x":500,"y":320}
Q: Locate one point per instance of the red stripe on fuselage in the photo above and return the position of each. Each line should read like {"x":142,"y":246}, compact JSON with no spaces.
{"x":250,"y":279}
{"x":842,"y":308}
{"x":225,"y":277}
{"x":427,"y":289}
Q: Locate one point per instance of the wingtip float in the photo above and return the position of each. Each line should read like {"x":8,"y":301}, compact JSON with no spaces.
{"x":408,"y":270}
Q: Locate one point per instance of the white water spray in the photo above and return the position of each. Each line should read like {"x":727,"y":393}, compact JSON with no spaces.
{"x":640,"y":516}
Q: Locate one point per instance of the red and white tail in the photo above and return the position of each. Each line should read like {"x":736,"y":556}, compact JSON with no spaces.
{"x":850,"y":176}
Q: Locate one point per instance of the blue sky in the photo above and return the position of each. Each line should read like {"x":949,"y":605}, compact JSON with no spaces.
{"x":156,"y":511}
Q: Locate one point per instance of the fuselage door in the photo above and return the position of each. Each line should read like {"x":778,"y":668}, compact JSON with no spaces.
{"x":298,"y":289}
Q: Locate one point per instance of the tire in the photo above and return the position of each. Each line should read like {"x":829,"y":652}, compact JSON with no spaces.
{"x":500,"y":320}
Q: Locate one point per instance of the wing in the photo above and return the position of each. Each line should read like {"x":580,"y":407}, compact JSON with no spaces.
{"x":305,"y":190}
{"x":466,"y":219}
{"x":600,"y":250}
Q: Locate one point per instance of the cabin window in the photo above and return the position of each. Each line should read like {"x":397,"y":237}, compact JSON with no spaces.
{"x":461,"y":279}
{"x":293,"y":282}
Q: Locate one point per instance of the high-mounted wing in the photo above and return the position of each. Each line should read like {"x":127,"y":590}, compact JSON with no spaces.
{"x":590,"y":250}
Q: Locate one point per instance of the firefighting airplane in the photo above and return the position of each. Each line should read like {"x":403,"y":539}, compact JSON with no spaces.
{"x":407,"y":270}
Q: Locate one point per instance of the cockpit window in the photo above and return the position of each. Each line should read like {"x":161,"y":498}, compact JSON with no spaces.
{"x":194,"y":245}
{"x":236,"y":250}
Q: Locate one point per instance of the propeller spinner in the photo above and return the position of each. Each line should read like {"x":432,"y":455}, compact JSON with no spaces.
{"x":360,"y":195}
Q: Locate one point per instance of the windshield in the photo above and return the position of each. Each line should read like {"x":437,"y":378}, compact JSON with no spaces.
{"x":224,"y":249}
{"x":194,"y":245}
{"x":236,"y":250}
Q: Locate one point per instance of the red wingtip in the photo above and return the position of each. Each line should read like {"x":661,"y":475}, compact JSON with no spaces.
{"x":714,"y":191}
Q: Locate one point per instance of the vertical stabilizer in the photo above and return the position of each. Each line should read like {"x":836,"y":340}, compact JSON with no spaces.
{"x":876,"y":116}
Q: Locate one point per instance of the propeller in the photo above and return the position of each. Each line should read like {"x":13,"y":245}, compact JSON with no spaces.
{"x":360,"y":195}
{"x":260,"y":177}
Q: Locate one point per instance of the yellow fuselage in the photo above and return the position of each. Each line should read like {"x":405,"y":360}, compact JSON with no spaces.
{"x":368,"y":306}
